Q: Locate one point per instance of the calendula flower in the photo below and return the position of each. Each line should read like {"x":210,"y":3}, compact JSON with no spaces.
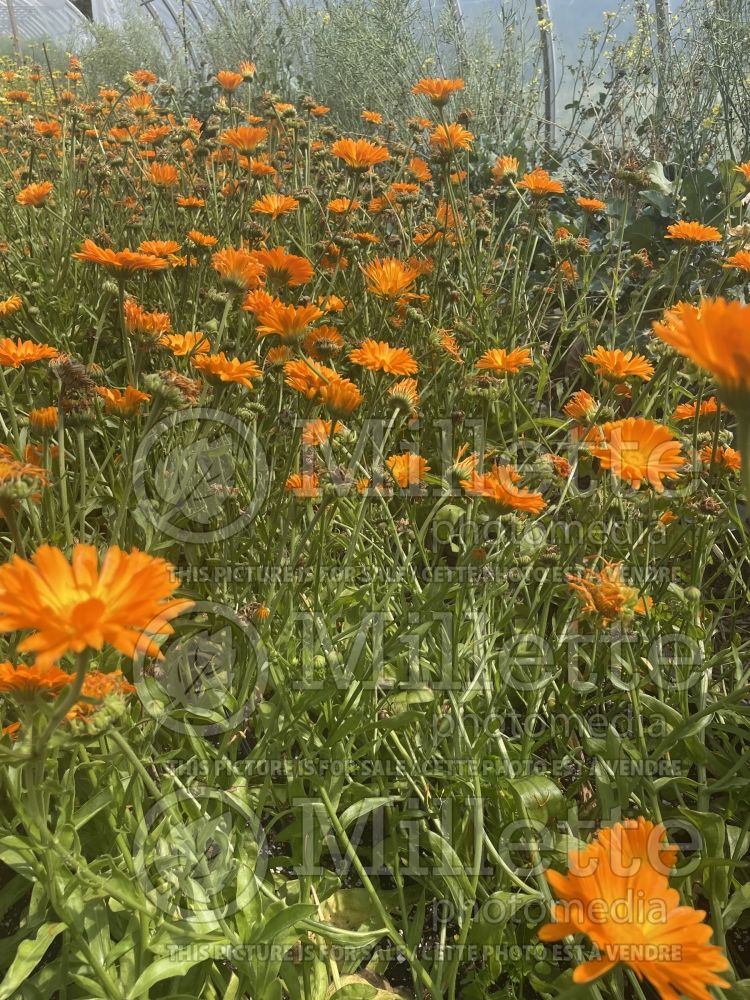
{"x":159,"y":248}
{"x":581,"y":406}
{"x":23,"y":352}
{"x":438,"y":91}
{"x":282,"y":268}
{"x":23,"y":683}
{"x":10,"y":306}
{"x":448,"y":138}
{"x":688,"y":411}
{"x":636,"y":449}
{"x":163,"y":175}
{"x":142,"y":323}
{"x":126,"y":403}
{"x":340,"y":206}
{"x":419,"y":169}
{"x":390,"y":278}
{"x":119,"y":261}
{"x":307,"y":378}
{"x":539,"y":184}
{"x":340,"y":397}
{"x":219,"y":368}
{"x":499,"y":486}
{"x":379,"y":356}
{"x":373,"y":117}
{"x":322,"y":342}
{"x":405,"y":394}
{"x":44,"y":420}
{"x":591,"y":204}
{"x":605,"y":596}
{"x":305,"y":486}
{"x":288,"y":322}
{"x":238,"y":268}
{"x":317,"y":432}
{"x":34,"y":194}
{"x":505,"y":362}
{"x":97,"y":687}
{"x":693,"y":232}
{"x":275,"y":205}
{"x":617,"y":893}
{"x":245,"y":139}
{"x":229,"y":81}
{"x":740,"y":261}
{"x":202,"y":239}
{"x":504,"y":166}
{"x":71,"y":607}
{"x":407,"y":469}
{"x":359,"y":154}
{"x":619,"y":366}
{"x":183,"y":344}
{"x":722,"y":456}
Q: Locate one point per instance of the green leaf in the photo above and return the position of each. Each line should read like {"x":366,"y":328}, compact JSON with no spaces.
{"x":158,"y":971}
{"x":30,"y":953}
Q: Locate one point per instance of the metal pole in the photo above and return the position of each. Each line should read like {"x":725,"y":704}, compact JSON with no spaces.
{"x":661,"y":10}
{"x":14,"y":27}
{"x":544,"y":20}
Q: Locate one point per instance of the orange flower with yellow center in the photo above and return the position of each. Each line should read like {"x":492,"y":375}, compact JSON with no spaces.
{"x":183,"y":344}
{"x":504,"y":166}
{"x":505,"y":362}
{"x":245,"y":139}
{"x":71,"y":607}
{"x":722,"y":456}
{"x":617,"y":893}
{"x":539,"y":184}
{"x":446,"y":139}
{"x":359,"y":154}
{"x":10,"y":306}
{"x":693,"y":232}
{"x":219,"y":368}
{"x":229,"y":81}
{"x":605,"y":595}
{"x":438,"y":91}
{"x":636,"y":449}
{"x":24,"y":682}
{"x":163,"y":175}
{"x":238,"y":268}
{"x":581,"y":406}
{"x":275,"y":205}
{"x":282,"y":268}
{"x":35,"y":194}
{"x":591,"y":204}
{"x":390,"y":278}
{"x":619,"y":366}
{"x":322,"y":342}
{"x":499,"y":486}
{"x":287,"y":321}
{"x":23,"y":352}
{"x":126,"y":403}
{"x":379,"y":356}
{"x":305,"y":486}
{"x":407,"y":469}
{"x":119,"y":261}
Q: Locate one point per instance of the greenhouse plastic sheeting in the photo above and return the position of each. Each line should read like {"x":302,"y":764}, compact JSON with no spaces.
{"x":55,"y":19}
{"x":170,"y":14}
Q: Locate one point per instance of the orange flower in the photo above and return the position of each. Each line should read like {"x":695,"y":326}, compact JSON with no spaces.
{"x":605,"y":596}
{"x":10,"y":306}
{"x":714,"y":335}
{"x":27,"y":682}
{"x":34,"y":194}
{"x":340,"y":206}
{"x":405,"y":394}
{"x":288,"y":322}
{"x":202,"y":239}
{"x":419,"y":169}
{"x":505,"y":362}
{"x":140,"y":322}
{"x":96,"y":688}
{"x":323,"y":341}
{"x":359,"y":154}
{"x":163,"y":175}
{"x":159,"y":248}
{"x":539,"y":184}
{"x":438,"y":91}
{"x":191,"y":202}
{"x":446,"y":139}
{"x":245,"y":139}
{"x":238,"y":268}
{"x":119,"y":261}
{"x":741,"y":168}
{"x":636,"y":449}
{"x":220,"y":368}
{"x":340,"y":397}
{"x":581,"y":406}
{"x":739,"y":260}
{"x":379,"y":356}
{"x":615,"y":366}
{"x":307,"y":378}
{"x":124,"y":404}
{"x":390,"y":278}
{"x":275,"y":205}
{"x":75,"y":606}
{"x":373,"y":117}
{"x":229,"y":81}
{"x":693,"y":232}
{"x":499,"y":487}
{"x":317,"y":432}
{"x":407,"y":469}
{"x":591,"y":204}
{"x":728,"y":458}
{"x":504,"y":166}
{"x":688,"y":411}
{"x":284,"y":268}
{"x":13,"y":355}
{"x":182,"y":344}
{"x":617,"y":893}
{"x":43,"y":421}
{"x":304,"y":487}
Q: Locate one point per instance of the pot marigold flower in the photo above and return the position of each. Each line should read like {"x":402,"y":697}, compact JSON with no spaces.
{"x":504,"y":166}
{"x":126,"y":403}
{"x":616,"y":366}
{"x":71,"y":607}
{"x":220,"y":368}
{"x":741,"y":168}
{"x":163,"y":175}
{"x":305,"y":486}
{"x":229,"y":81}
{"x":373,"y":117}
{"x":142,"y":323}
{"x":322,"y":342}
{"x":159,"y":248}
{"x":183,"y":344}
{"x":317,"y":432}
{"x":245,"y":139}
{"x":290,"y":322}
{"x":740,"y":260}
{"x":275,"y":205}
{"x":307,"y":378}
{"x":505,"y":362}
{"x":419,"y":169}
{"x":44,"y":420}
{"x":23,"y":352}
{"x":447,"y":138}
{"x":605,"y":596}
{"x":359,"y":154}
{"x":24,"y":682}
{"x":340,"y":206}
{"x":635,"y":449}
{"x":539,"y":184}
{"x":119,"y":261}
{"x":202,"y":239}
{"x":591,"y":204}
{"x":340,"y":397}
{"x":282,"y":268}
{"x":438,"y":91}
{"x":407,"y":469}
{"x":693,"y":232}
{"x":238,"y":268}
{"x":722,"y":456}
{"x":389,"y":278}
{"x":379,"y":356}
{"x":405,"y":394}
{"x":34,"y":194}
{"x":688,"y":411}
{"x":97,"y":687}
{"x":617,"y":893}
{"x":190,"y":201}
{"x":10,"y":306}
{"x":500,"y":487}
